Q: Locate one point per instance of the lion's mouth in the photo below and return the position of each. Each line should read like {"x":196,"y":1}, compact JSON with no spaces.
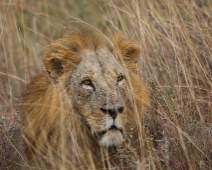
{"x":99,"y":135}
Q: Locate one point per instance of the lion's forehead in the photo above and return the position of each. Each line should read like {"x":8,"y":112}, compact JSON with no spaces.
{"x":100,"y":63}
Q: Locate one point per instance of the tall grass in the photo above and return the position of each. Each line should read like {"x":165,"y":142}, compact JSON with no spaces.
{"x":176,"y":64}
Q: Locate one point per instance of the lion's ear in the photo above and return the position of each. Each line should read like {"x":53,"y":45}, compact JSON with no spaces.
{"x":54,"y":66}
{"x":129,"y":49}
{"x":59,"y":60}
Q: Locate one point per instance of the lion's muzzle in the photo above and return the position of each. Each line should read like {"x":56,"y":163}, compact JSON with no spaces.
{"x":111,"y":137}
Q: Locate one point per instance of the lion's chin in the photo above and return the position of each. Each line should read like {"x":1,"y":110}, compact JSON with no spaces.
{"x":111,"y":137}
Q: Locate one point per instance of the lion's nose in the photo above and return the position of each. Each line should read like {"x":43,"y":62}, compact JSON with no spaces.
{"x":112,"y":112}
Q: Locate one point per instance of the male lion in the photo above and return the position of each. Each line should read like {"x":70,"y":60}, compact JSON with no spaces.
{"x":85,"y":110}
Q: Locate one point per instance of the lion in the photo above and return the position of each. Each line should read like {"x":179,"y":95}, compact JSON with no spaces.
{"x":85,"y":110}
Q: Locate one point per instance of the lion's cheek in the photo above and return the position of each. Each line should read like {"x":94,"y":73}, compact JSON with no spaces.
{"x":121,"y":121}
{"x":97,"y":122}
{"x":88,"y":102}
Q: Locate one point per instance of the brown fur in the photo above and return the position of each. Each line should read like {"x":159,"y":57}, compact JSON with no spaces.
{"x":56,"y":132}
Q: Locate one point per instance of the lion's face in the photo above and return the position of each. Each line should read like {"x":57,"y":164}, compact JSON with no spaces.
{"x":98,"y":92}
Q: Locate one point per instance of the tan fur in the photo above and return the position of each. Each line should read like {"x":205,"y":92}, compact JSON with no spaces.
{"x":58,"y":132}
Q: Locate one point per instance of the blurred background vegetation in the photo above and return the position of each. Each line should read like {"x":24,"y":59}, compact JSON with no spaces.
{"x":176,"y":63}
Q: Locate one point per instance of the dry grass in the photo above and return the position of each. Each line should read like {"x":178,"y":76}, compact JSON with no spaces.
{"x":176,"y":63}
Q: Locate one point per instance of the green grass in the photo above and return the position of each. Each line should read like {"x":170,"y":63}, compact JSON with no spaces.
{"x":176,"y":63}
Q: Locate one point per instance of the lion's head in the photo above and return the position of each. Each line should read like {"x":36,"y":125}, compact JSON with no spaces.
{"x":90,"y":79}
{"x":96,"y":79}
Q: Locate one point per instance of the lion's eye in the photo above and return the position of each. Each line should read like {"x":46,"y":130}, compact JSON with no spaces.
{"x":87,"y":82}
{"x":120,"y":78}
